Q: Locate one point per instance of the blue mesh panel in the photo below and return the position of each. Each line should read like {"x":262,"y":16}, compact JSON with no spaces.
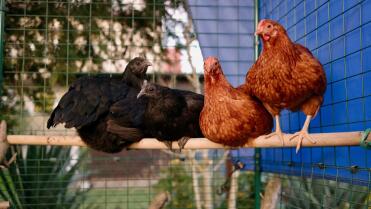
{"x":338,"y":34}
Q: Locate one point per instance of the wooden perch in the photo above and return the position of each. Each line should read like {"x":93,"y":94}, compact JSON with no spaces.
{"x":323,"y":139}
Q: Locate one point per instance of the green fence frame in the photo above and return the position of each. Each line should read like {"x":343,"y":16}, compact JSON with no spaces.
{"x":257,"y":155}
{"x":2,"y":22}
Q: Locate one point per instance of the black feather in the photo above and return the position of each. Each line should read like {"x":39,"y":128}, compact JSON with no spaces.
{"x":171,"y":114}
{"x":86,"y":106}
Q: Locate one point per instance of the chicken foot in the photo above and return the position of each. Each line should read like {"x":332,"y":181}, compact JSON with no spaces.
{"x":278,"y":131}
{"x":303,"y":134}
{"x":181,"y":143}
{"x":169,"y":145}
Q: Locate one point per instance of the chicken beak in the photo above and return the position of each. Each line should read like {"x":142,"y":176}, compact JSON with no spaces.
{"x":147,"y":63}
{"x":141,"y":93}
{"x":258,"y":31}
{"x":143,"y":89}
{"x":260,"y":28}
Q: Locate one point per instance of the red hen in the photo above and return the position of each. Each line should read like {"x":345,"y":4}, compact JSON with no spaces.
{"x":230,"y":116}
{"x":286,"y":75}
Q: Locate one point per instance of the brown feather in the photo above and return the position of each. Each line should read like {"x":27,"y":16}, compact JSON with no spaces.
{"x":287,"y":75}
{"x":229,"y":116}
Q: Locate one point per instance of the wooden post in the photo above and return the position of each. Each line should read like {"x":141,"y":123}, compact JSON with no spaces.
{"x":323,"y":139}
{"x":3,"y":143}
{"x":272,"y":193}
{"x":4,"y":205}
{"x":159,"y":200}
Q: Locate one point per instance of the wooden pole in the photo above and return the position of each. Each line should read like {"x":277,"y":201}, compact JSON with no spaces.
{"x":323,"y":139}
{"x":46,"y":140}
{"x":272,"y":193}
{"x":159,"y":200}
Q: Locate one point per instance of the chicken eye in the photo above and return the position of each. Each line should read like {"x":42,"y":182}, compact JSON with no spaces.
{"x":269,"y":26}
{"x":151,"y":89}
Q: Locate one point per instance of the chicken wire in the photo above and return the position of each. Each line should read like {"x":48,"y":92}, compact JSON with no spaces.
{"x":48,"y":44}
{"x":130,"y":180}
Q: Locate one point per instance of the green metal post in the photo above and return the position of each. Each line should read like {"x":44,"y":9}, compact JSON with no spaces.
{"x":257,"y":155}
{"x":2,"y":22}
{"x":256,"y":20}
{"x":257,"y":177}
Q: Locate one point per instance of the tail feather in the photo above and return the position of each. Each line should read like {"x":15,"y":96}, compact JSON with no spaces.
{"x":51,"y":121}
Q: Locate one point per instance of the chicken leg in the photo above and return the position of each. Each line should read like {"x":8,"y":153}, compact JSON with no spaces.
{"x":168,"y":144}
{"x":303,"y":134}
{"x":182,"y":142}
{"x":278,"y":131}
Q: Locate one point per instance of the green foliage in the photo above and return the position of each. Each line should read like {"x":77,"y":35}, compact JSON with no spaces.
{"x":177,"y":181}
{"x":42,"y":177}
{"x":245,"y":193}
{"x":321,"y":193}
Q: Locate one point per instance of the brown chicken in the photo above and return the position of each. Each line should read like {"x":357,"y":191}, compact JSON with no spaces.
{"x":230,"y":116}
{"x":286,"y":75}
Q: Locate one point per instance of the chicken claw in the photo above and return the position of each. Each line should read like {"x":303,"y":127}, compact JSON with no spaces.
{"x":278,"y":131}
{"x":182,"y":142}
{"x":169,"y":145}
{"x":303,"y":134}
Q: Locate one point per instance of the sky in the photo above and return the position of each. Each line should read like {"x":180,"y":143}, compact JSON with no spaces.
{"x":197,"y":58}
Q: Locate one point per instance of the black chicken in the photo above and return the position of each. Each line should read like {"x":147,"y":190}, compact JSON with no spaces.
{"x":171,"y":114}
{"x":86,"y":106}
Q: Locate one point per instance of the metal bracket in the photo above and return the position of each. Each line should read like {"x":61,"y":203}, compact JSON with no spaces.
{"x":364,"y":143}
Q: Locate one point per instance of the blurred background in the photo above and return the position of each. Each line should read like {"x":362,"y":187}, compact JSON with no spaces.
{"x":47,"y":44}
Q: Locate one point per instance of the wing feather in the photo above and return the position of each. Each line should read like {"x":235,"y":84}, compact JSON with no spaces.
{"x":87,"y":99}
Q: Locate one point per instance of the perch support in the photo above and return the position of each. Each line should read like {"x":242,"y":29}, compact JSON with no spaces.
{"x":272,"y":193}
{"x":323,"y":139}
{"x":159,"y":201}
{"x":4,"y":205}
{"x":4,"y":145}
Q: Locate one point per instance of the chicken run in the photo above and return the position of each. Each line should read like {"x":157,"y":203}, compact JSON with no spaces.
{"x":185,"y":104}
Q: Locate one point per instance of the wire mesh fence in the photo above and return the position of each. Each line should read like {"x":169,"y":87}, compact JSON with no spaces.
{"x":55,"y":178}
{"x":50,"y":43}
{"x":337,"y":33}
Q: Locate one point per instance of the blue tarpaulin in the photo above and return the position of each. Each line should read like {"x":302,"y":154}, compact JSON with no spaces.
{"x":225,"y":30}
